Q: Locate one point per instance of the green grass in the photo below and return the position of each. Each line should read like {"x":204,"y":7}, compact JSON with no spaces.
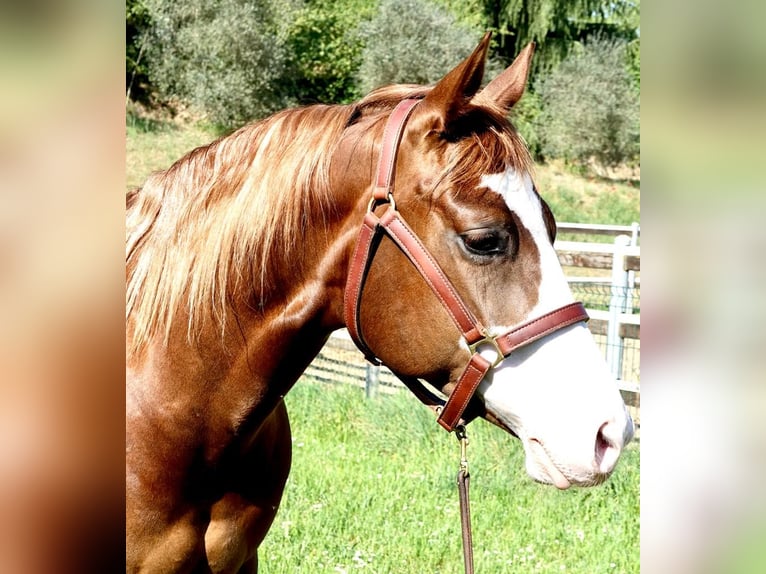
{"x":578,"y":198}
{"x":373,"y":489}
{"x":153,"y":144}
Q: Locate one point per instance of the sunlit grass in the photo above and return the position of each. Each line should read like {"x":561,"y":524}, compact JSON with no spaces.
{"x":373,"y":489}
{"x":579,"y":198}
{"x":155,"y":143}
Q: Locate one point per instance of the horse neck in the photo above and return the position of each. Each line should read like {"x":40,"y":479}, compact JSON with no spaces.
{"x":241,"y":366}
{"x":240,"y":369}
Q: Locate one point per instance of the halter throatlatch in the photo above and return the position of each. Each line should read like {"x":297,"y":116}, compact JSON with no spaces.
{"x":391,"y":224}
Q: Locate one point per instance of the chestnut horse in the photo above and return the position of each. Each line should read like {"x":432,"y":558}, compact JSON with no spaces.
{"x":237,"y":264}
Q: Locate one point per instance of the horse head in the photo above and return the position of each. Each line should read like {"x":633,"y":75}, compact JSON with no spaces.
{"x":463,"y":182}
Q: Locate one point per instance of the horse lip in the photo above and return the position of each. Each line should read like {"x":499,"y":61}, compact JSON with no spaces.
{"x":557,"y":477}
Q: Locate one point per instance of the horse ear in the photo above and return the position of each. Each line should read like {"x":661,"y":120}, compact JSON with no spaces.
{"x":508,"y":87}
{"x":455,"y":90}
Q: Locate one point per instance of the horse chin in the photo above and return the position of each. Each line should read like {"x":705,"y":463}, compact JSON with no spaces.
{"x":540,"y":465}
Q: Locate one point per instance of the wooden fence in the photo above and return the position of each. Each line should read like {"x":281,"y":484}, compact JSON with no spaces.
{"x":605,"y":276}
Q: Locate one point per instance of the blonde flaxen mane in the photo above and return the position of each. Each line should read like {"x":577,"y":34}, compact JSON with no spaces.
{"x":208,"y":225}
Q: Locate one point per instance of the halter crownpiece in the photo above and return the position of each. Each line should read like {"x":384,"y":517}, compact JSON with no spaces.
{"x":475,"y":334}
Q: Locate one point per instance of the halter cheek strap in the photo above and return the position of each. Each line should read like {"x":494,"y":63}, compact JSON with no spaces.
{"x":475,"y":335}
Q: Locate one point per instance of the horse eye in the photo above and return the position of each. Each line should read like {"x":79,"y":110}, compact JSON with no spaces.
{"x":485,"y":242}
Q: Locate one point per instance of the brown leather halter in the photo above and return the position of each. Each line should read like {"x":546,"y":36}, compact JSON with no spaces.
{"x":475,"y":334}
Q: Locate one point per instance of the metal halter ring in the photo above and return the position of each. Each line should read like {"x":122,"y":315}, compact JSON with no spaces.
{"x":374,"y":202}
{"x":488,"y":340}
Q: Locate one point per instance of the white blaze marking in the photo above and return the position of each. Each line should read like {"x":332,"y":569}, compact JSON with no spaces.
{"x":557,"y":390}
{"x":522,"y":200}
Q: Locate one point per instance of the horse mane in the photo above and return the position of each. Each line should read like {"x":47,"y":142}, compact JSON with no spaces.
{"x":198,"y":230}
{"x":212,"y":221}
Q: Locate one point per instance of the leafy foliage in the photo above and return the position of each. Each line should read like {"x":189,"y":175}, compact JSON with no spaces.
{"x":227,"y":57}
{"x":412,"y":41}
{"x":524,"y":116}
{"x":556,"y":25}
{"x":590,"y":107}
{"x":326,"y":50}
{"x":467,"y":12}
{"x":137,"y":22}
{"x":237,"y":60}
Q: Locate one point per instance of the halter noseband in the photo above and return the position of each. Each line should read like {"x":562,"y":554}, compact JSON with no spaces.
{"x":475,"y":334}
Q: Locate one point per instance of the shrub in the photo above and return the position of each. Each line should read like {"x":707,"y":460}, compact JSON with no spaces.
{"x":326,"y":50}
{"x":412,"y":41}
{"x":590,"y":107}
{"x":136,"y":74}
{"x":524,"y":116}
{"x":226,"y":57}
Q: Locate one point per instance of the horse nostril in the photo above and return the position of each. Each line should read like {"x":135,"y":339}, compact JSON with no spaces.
{"x":608,"y":446}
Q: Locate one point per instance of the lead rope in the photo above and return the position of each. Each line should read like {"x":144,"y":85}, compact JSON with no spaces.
{"x":463,"y":480}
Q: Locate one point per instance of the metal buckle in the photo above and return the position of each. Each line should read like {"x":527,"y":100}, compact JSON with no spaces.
{"x":488,"y":340}
{"x":462,"y":437}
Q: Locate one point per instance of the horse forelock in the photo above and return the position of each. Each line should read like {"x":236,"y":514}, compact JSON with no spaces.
{"x":223,"y":216}
{"x":485,"y":142}
{"x":484,"y":139}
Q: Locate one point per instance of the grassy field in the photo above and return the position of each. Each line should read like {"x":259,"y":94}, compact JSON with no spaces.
{"x":373,"y":489}
{"x":588,"y":198}
{"x":154,"y":144}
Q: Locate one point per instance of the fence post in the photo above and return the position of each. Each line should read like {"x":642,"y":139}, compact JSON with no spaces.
{"x":617,"y":305}
{"x":371,"y":381}
{"x":632,"y":274}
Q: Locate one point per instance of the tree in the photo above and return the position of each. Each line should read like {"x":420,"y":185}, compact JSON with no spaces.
{"x":412,"y":41}
{"x":590,"y":108}
{"x":555,"y":25}
{"x":137,"y":22}
{"x":226,"y":57}
{"x":326,"y":50}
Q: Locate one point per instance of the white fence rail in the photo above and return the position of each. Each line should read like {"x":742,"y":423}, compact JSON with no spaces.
{"x":633,"y":231}
{"x":616,"y":318}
